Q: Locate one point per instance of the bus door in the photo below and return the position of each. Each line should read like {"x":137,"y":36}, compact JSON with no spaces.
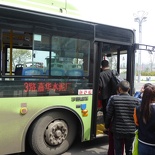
{"x":117,"y":55}
{"x":122,"y":59}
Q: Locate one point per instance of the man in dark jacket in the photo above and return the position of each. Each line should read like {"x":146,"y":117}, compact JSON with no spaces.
{"x":120,"y":115}
{"x":105,"y":85}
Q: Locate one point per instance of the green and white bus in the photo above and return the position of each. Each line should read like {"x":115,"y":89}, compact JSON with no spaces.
{"x":50,"y":67}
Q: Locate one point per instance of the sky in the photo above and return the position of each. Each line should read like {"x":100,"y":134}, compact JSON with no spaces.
{"x":120,"y":13}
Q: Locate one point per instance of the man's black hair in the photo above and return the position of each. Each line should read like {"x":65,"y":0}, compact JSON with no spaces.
{"x":105,"y":63}
{"x":124,"y":85}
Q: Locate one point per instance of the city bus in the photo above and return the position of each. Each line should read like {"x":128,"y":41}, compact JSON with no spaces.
{"x":50,"y":66}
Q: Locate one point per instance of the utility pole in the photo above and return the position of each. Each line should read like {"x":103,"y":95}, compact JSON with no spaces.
{"x":140,"y":17}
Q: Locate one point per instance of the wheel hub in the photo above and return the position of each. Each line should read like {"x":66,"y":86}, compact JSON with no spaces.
{"x":56,"y":132}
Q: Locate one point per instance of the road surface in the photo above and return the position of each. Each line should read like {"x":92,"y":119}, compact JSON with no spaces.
{"x":96,"y":147}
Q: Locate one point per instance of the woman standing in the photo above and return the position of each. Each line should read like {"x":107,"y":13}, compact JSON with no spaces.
{"x":144,"y":117}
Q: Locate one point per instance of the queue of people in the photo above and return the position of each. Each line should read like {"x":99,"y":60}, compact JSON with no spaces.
{"x":124,"y":114}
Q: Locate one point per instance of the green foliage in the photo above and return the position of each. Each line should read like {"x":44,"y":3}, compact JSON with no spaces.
{"x":146,"y":73}
{"x":19,"y":56}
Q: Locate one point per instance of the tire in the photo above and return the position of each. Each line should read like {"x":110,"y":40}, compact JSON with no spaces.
{"x":53,"y":133}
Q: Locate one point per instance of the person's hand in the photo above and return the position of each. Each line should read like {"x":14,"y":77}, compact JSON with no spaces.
{"x":142,"y":90}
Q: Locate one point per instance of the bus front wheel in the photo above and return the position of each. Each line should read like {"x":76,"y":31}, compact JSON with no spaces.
{"x":53,"y":133}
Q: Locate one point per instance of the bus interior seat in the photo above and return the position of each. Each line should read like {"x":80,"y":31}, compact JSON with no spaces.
{"x":68,"y":65}
{"x":75,"y":70}
{"x":28,"y":71}
{"x":56,"y":70}
{"x":18,"y":70}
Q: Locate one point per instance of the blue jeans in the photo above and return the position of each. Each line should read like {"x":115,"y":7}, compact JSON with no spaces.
{"x":121,"y":140}
{"x":144,"y":149}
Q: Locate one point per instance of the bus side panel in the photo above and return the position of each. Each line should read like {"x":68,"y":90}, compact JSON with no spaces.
{"x":12,"y":137}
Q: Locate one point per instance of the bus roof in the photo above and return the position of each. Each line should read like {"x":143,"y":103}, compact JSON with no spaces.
{"x":101,"y":32}
{"x":59,"y":7}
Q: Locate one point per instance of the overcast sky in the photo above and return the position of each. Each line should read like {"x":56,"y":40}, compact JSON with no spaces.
{"x":120,"y":13}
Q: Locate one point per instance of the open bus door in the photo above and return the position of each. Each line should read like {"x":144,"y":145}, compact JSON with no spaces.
{"x":121,"y":58}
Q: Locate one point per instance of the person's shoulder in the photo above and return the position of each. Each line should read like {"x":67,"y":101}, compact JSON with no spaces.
{"x":114,"y":72}
{"x":113,"y":97}
{"x":132,"y":97}
{"x":106,"y":71}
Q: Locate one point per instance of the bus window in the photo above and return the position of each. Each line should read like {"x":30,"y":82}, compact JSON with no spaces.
{"x":71,"y":55}
{"x":39,"y":53}
{"x":123,"y":64}
{"x":41,"y":49}
{"x":20,"y":56}
{"x":117,"y":58}
{"x":17,"y":47}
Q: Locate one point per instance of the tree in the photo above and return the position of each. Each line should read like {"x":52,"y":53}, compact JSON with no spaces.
{"x":19,"y":56}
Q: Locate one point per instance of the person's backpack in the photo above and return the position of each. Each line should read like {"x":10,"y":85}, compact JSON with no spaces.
{"x":115,"y":80}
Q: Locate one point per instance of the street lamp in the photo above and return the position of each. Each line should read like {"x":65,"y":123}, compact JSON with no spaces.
{"x":140,"y":17}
